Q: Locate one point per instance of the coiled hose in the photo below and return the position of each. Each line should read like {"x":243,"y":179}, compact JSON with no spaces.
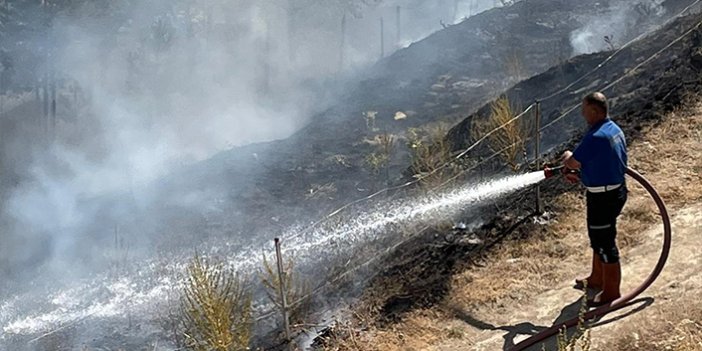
{"x":622,"y":301}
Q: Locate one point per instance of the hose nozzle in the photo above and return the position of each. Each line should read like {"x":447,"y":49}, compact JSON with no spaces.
{"x":552,"y":171}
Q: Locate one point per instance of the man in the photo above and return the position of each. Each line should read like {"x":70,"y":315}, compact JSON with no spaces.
{"x":601,"y":158}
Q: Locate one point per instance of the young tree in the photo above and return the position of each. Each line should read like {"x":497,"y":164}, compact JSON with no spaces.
{"x":216,"y":308}
{"x":508,"y":138}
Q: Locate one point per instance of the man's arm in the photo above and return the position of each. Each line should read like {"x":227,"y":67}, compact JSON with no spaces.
{"x":569,"y":161}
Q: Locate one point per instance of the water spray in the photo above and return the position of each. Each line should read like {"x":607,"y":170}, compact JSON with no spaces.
{"x":103,"y":298}
{"x":625,"y":299}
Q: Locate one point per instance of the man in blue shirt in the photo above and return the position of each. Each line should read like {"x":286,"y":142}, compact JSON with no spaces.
{"x":601,"y":158}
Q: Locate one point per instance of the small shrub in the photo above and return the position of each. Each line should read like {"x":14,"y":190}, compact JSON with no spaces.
{"x":118,"y":255}
{"x":580,"y":341}
{"x":430,"y":151}
{"x":216,"y":308}
{"x":369,"y":117}
{"x":375,"y":162}
{"x":510,"y":140}
{"x":609,"y":40}
{"x":513,"y":65}
{"x":295,"y":289}
{"x":380,"y":158}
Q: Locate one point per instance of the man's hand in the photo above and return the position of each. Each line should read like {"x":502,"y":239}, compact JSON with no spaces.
{"x":570,"y":163}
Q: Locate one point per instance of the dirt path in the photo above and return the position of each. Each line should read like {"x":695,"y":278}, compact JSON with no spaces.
{"x":680,"y":282}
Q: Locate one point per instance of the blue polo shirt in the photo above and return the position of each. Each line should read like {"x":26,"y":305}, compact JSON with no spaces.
{"x":602,"y":155}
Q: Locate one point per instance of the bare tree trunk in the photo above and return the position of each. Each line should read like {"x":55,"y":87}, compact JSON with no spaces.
{"x":37,"y":100}
{"x":2,"y":96}
{"x":45,"y":106}
{"x":267,"y":62}
{"x":292,"y":50}
{"x":342,"y":44}
{"x":382,"y":38}
{"x":398,"y":25}
{"x":53,"y":107}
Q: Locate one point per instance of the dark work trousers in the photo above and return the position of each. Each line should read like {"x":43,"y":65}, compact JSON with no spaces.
{"x":602,"y":212}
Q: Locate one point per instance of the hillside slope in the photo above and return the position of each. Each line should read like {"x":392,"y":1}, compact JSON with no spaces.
{"x":440,"y":78}
{"x":523,"y":284}
{"x":250,"y":194}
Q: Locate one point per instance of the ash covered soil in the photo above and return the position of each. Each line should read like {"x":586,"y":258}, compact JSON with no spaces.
{"x":284,"y":185}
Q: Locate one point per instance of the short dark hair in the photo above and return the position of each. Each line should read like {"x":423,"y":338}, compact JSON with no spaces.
{"x":598,"y":100}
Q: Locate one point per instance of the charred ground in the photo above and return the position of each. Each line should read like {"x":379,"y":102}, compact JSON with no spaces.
{"x":444,"y":77}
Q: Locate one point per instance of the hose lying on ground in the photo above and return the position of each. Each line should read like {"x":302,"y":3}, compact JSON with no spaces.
{"x":622,"y":301}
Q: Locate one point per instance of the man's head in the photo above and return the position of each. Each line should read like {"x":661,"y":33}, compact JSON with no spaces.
{"x":595,"y":108}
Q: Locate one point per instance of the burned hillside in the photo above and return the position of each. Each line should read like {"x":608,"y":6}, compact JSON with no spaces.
{"x":418,"y":274}
{"x":128,"y":246}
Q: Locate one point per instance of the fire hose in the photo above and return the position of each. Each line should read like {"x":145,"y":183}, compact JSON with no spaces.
{"x":625,"y":299}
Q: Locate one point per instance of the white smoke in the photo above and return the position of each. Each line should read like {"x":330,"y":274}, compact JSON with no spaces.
{"x":174,"y":83}
{"x":612,"y":26}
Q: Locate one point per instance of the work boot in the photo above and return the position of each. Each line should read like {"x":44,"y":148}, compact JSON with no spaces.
{"x":594,"y":281}
{"x":612,"y":278}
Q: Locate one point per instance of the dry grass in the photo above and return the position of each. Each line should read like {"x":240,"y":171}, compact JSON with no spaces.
{"x":670,"y":156}
{"x":639,"y":215}
{"x":416,"y":334}
{"x":510,"y":140}
{"x":676,"y":328}
{"x":216,"y":308}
